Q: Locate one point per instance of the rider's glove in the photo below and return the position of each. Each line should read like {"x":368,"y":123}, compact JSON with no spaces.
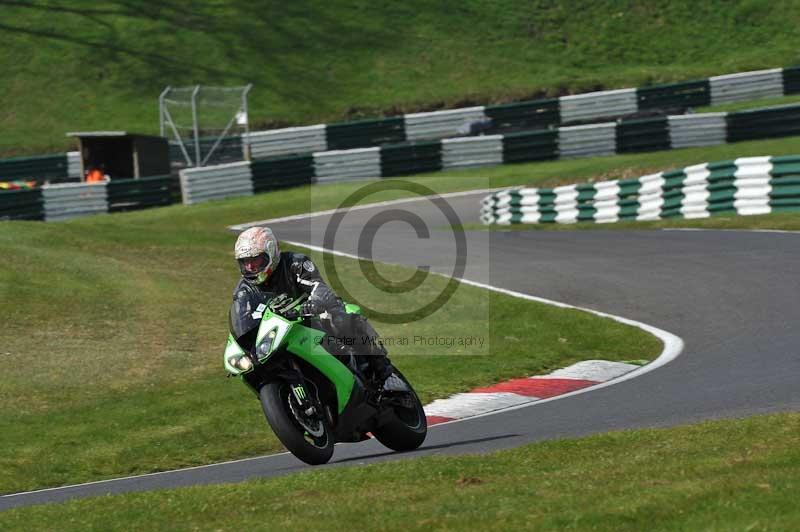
{"x":309,"y":308}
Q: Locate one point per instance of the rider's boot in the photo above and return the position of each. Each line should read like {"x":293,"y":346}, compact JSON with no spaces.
{"x":385,"y":375}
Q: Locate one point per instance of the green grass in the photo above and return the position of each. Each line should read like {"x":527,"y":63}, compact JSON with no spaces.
{"x":87,"y":65}
{"x":114,"y":325}
{"x":721,"y":475}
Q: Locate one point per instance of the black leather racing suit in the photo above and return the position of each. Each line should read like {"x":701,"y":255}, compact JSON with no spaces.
{"x":296,"y":279}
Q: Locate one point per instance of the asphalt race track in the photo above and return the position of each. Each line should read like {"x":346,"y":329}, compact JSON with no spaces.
{"x":732,"y":296}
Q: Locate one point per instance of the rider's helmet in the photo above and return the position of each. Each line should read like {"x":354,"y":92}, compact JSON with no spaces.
{"x":257,"y":253}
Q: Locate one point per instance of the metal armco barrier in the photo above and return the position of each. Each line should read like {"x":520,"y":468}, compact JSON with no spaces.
{"x":416,"y":158}
{"x":672,"y":95}
{"x":623,"y":136}
{"x":40,"y":168}
{"x":746,"y":86}
{"x":282,"y":172}
{"x":587,"y":141}
{"x":142,"y":193}
{"x":216,"y":182}
{"x":293,"y":140}
{"x":440,"y":124}
{"x":745,"y":186}
{"x":595,"y":105}
{"x":530,"y":146}
{"x":763,"y":123}
{"x":705,"y":129}
{"x":71,"y":200}
{"x":531,"y":114}
{"x":347,"y":165}
{"x":74,"y":164}
{"x":472,"y":151}
{"x":365,"y":133}
{"x":646,"y":134}
{"x":21,"y":204}
{"x":537,"y":114}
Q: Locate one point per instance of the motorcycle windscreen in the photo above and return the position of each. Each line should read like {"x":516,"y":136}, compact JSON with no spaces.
{"x":245,"y":316}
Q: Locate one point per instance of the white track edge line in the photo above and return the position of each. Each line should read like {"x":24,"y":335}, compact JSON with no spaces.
{"x":673,"y":344}
{"x":143,"y":475}
{"x":698,"y":229}
{"x":246,"y":225}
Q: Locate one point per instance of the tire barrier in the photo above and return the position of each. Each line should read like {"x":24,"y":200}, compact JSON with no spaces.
{"x":745,"y":186}
{"x":625,"y":136}
{"x":608,"y":138}
{"x":301,"y":155}
{"x":531,"y":114}
{"x":414,"y":127}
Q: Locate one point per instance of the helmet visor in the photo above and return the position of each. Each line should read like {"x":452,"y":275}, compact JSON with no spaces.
{"x":252,"y":266}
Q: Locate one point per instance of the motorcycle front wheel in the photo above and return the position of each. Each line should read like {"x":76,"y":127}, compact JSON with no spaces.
{"x":308,"y":438}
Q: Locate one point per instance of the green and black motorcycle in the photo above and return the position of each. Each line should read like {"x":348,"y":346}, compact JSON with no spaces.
{"x":313,"y":399}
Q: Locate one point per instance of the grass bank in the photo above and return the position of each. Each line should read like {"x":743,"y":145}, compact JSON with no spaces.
{"x":721,"y":475}
{"x":87,"y":65}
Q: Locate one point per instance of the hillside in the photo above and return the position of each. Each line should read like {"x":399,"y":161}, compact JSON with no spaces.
{"x":81,"y":64}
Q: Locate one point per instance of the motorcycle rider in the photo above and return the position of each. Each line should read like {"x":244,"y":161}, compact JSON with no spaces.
{"x":295,"y":277}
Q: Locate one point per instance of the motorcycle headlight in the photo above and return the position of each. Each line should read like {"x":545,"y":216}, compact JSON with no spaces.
{"x":240,"y":362}
{"x":266,"y":344}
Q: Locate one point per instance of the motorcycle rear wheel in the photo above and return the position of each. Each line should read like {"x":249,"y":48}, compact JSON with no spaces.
{"x":308,"y":439}
{"x":408,"y":427}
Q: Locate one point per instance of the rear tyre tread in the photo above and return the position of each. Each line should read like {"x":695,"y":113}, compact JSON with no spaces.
{"x":397,"y":435}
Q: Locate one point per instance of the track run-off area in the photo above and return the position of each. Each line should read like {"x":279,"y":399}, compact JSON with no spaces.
{"x":727,"y":298}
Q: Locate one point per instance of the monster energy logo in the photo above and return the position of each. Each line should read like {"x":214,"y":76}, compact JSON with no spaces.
{"x":299,"y":392}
